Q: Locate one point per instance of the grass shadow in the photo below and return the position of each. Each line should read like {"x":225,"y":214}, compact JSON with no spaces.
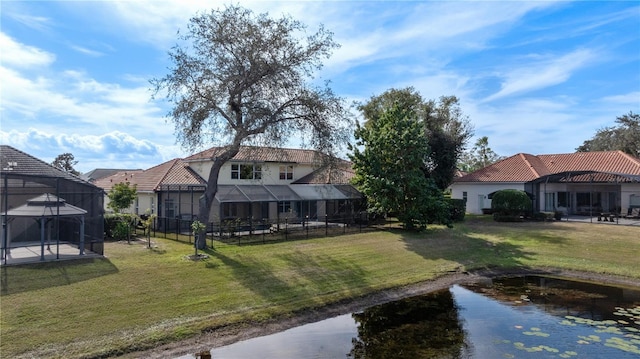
{"x":469,"y":249}
{"x":289,"y":276}
{"x":25,"y":278}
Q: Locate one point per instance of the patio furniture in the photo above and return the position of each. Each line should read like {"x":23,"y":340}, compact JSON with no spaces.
{"x":606,"y":217}
{"x":633,"y":213}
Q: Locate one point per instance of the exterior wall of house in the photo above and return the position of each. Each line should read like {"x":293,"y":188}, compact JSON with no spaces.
{"x":143,"y":202}
{"x":270,"y":172}
{"x":477,"y":193}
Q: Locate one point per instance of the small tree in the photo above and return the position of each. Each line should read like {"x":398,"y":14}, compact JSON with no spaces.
{"x":510,"y":204}
{"x":121,"y":196}
{"x":197,"y":228}
{"x":147,"y":224}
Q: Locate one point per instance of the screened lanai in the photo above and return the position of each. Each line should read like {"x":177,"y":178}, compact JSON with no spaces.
{"x":587,"y":193}
{"x":276,"y":202}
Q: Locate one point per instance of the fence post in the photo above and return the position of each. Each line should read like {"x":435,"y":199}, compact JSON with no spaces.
{"x":286,"y":229}
{"x":307,"y":218}
{"x":326,"y":225}
{"x":264,"y":226}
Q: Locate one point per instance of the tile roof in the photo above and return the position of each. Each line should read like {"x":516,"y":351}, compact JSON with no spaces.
{"x":262,"y":154}
{"x":340,"y":173}
{"x":98,"y":173}
{"x":173,"y":172}
{"x":26,"y":164}
{"x":525,"y":167}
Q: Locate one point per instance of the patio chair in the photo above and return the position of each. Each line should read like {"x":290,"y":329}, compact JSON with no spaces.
{"x":633,"y":213}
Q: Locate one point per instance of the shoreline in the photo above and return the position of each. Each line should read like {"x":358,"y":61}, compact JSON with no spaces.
{"x":247,"y":330}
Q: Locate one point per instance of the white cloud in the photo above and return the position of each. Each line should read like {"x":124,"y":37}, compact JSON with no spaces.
{"x":631,"y":99}
{"x":539,"y":71}
{"x":110,"y":150}
{"x":15,"y":54}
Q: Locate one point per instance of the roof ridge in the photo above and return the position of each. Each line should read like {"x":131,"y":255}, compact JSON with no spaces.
{"x":629,"y":157}
{"x":533,"y":170}
{"x":62,"y":172}
{"x":166,"y":173}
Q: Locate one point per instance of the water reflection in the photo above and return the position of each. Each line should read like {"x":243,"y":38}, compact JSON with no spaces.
{"x":526,"y":317}
{"x":420,"y":327}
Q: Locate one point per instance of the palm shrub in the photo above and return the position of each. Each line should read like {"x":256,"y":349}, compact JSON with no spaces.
{"x":510,"y":205}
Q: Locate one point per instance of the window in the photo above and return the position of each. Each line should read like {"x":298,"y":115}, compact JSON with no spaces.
{"x":550,"y":202}
{"x":564,"y":199}
{"x":585,"y":199}
{"x":286,"y":172}
{"x":169,"y":208}
{"x":464,"y":196}
{"x":284,"y":207}
{"x":246,"y":171}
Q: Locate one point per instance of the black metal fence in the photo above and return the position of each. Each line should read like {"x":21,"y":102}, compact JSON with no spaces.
{"x":251,"y":230}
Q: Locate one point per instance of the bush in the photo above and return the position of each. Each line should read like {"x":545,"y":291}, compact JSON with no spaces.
{"x":457,"y":209}
{"x":510,"y":203}
{"x":115,"y":224}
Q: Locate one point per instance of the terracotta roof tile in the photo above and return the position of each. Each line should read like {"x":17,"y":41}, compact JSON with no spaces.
{"x":339,"y":173}
{"x":262,"y":154}
{"x":172,"y":172}
{"x":525,"y":167}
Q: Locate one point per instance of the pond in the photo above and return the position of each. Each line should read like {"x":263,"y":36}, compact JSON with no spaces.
{"x":524,"y":317}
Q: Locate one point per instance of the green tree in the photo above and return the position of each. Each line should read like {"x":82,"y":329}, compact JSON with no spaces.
{"x":625,"y":137}
{"x":445,"y":128}
{"x":388,"y":169}
{"x":480,"y":156}
{"x":121,"y":196}
{"x":240,"y":78}
{"x":65,"y":162}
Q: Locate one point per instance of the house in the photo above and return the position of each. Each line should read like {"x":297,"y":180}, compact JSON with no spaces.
{"x":42,"y":203}
{"x":259,"y":183}
{"x":574,"y":183}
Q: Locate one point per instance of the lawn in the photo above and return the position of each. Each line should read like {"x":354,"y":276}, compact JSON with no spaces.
{"x":139,"y":298}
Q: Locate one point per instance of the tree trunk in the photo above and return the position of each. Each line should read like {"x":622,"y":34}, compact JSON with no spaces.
{"x":206,"y":200}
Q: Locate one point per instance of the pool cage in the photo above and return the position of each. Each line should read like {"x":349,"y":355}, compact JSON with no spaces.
{"x":257,"y":207}
{"x":587,"y":193}
{"x":39,"y":210}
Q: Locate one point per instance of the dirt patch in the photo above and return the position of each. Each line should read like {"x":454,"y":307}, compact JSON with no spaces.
{"x":242,"y":331}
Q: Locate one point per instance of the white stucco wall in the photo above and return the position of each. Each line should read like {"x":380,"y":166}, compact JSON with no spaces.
{"x":270,"y":172}
{"x":477,"y":193}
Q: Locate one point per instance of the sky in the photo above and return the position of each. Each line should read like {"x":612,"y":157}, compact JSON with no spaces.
{"x":535,"y":77}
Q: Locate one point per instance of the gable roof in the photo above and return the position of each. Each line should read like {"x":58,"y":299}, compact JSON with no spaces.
{"x":173,"y":172}
{"x":261,"y":154}
{"x":524,"y":167}
{"x":21,"y":163}
{"x":98,"y":173}
{"x":340,"y":172}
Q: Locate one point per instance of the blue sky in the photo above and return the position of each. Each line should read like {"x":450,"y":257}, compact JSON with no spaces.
{"x":536,"y":77}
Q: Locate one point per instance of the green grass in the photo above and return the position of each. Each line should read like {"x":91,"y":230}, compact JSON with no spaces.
{"x":139,"y":298}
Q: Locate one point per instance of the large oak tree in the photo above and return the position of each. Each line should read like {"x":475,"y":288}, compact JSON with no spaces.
{"x":239,"y":78}
{"x":624,"y":137}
